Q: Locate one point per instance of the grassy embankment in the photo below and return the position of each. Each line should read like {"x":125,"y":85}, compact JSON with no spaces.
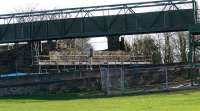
{"x":174,"y":101}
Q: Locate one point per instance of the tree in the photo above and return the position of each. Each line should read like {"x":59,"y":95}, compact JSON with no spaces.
{"x":72,"y":45}
{"x":168,"y":51}
{"x":145,"y":46}
{"x":177,"y":48}
{"x":182,"y":37}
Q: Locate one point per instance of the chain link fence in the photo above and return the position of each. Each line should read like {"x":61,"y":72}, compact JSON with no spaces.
{"x":140,"y":79}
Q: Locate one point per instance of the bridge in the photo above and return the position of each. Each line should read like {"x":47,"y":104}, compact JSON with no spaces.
{"x":96,"y":21}
{"x":115,"y":72}
{"x":111,"y":21}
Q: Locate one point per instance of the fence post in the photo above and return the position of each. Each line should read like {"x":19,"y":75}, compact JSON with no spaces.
{"x":122,"y":80}
{"x":166,"y":78}
{"x":108,"y":81}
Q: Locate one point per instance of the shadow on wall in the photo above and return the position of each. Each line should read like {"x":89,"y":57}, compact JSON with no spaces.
{"x":94,"y":95}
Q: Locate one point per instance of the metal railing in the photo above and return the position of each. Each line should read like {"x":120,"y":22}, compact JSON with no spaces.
{"x":89,"y":11}
{"x":149,"y":79}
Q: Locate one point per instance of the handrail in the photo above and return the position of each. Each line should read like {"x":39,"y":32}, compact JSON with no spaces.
{"x":91,"y":8}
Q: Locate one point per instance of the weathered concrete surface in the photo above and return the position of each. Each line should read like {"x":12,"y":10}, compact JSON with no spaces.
{"x":49,"y":83}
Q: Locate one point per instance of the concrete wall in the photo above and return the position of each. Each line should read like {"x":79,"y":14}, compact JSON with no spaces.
{"x":48,"y":84}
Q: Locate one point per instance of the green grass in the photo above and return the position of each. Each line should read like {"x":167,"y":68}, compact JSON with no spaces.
{"x":174,"y":101}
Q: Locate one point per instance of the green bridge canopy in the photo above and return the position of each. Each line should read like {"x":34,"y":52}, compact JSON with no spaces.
{"x":95,"y":26}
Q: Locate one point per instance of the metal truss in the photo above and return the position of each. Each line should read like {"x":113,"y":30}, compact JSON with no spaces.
{"x":98,"y":21}
{"x":106,"y":10}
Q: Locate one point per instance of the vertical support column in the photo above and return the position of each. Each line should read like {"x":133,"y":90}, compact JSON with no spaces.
{"x":166,"y":78}
{"x":192,"y":58}
{"x":108,"y":83}
{"x":17,"y":59}
{"x":113,"y":43}
{"x":122,"y":80}
{"x":122,"y":44}
{"x":51,"y":45}
{"x":91,"y":58}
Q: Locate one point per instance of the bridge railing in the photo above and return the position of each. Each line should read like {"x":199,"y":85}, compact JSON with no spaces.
{"x":106,"y":10}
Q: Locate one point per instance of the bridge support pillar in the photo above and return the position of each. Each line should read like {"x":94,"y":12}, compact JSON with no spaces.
{"x":113,"y":42}
{"x":193,"y":57}
{"x":51,"y":45}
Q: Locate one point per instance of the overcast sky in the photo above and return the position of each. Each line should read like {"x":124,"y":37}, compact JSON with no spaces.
{"x":10,"y":6}
{"x":7,"y":6}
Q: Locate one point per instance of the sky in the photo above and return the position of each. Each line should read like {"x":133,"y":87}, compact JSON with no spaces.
{"x":8,"y":6}
{"x":11,"y":6}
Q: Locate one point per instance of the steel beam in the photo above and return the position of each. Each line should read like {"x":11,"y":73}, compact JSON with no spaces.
{"x":138,"y":23}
